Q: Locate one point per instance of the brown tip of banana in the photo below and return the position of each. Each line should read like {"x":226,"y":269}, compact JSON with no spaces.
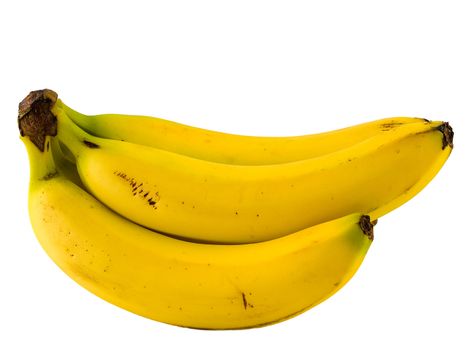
{"x":367,"y":226}
{"x":448,"y":134}
{"x":35,"y":118}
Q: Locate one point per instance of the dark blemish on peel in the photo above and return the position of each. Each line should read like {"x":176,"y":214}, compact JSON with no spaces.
{"x":389,"y":126}
{"x":90,"y":144}
{"x":49,"y":176}
{"x":138,"y":189}
{"x":246,"y":304}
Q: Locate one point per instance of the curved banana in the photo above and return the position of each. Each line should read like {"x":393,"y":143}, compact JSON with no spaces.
{"x":215,"y":202}
{"x":227,"y":148}
{"x":184,"y":283}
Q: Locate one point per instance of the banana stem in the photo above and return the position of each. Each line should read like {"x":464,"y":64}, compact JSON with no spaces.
{"x":73,"y":137}
{"x":38,"y":127}
{"x":84,"y":121}
{"x":41,"y":163}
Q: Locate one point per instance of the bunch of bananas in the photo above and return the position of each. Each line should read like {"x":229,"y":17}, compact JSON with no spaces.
{"x":209,"y":230}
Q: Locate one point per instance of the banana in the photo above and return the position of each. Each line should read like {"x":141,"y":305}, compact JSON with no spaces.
{"x":214,"y":202}
{"x":184,"y":283}
{"x":223,"y":147}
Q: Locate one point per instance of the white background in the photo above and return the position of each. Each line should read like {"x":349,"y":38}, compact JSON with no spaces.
{"x":249,"y":67}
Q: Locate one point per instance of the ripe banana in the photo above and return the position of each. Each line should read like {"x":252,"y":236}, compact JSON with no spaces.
{"x":223,"y":147}
{"x":184,"y":283}
{"x":215,"y":202}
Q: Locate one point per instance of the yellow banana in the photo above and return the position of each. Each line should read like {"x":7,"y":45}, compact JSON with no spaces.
{"x":223,"y":147}
{"x":184,"y":283}
{"x":216,"y":202}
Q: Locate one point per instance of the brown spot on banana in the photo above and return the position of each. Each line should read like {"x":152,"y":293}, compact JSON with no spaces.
{"x":137,"y":189}
{"x":389,"y":126}
{"x":246,"y":304}
{"x":90,"y":144}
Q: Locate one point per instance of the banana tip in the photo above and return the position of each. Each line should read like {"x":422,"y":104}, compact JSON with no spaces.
{"x":35,"y":118}
{"x":367,"y":226}
{"x":448,"y":135}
